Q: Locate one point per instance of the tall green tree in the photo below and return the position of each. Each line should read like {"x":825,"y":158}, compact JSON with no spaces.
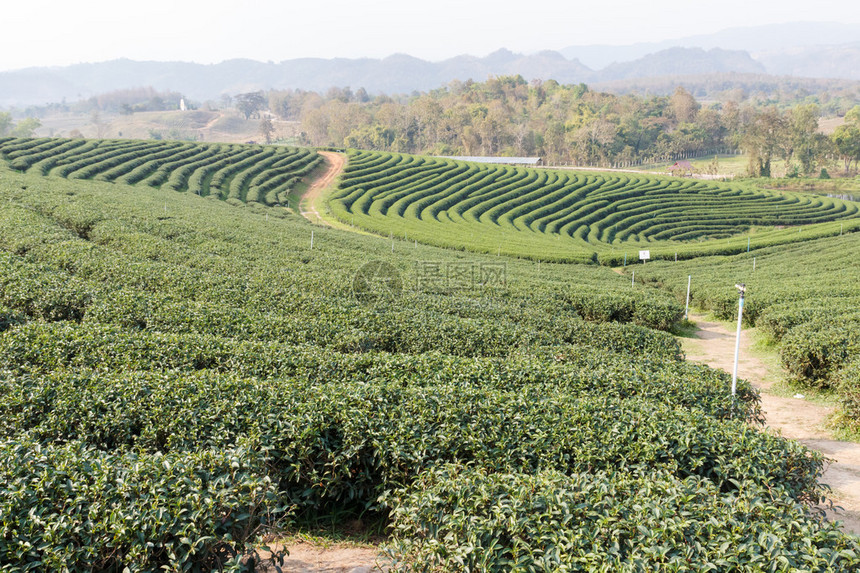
{"x":250,"y":104}
{"x":26,"y":127}
{"x":683,"y":106}
{"x":5,"y":123}
{"x":762,"y":140}
{"x":267,"y":129}
{"x":846,"y":139}
{"x":801,"y":140}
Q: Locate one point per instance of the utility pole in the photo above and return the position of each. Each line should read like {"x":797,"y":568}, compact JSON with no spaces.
{"x":742,"y":289}
{"x":687,"y":306}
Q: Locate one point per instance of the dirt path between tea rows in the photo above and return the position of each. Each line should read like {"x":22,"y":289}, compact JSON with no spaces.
{"x":307,"y":204}
{"x":794,"y":417}
{"x":308,"y":557}
{"x":304,"y":556}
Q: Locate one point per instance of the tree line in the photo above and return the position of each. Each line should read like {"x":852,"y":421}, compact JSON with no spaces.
{"x":566,"y":125}
{"x":25,"y":127}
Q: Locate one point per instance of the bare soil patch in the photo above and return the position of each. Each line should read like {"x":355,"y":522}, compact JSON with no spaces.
{"x":793,"y":417}
{"x":308,"y":557}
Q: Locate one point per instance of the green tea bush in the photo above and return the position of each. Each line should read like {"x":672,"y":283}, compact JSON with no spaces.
{"x":72,"y":507}
{"x":470,"y":519}
{"x":9,"y":318}
{"x":40,"y":348}
{"x":331,"y":441}
{"x":812,"y":352}
{"x":846,"y":381}
{"x":43,"y":293}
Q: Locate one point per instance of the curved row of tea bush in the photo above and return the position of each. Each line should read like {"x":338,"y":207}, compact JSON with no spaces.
{"x":569,"y":216}
{"x":38,"y":348}
{"x":337,"y":439}
{"x":227,"y":171}
{"x":180,"y":377}
{"x":470,"y":519}
{"x":316,"y":445}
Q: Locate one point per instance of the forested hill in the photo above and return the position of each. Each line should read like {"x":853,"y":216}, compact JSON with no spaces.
{"x":574,"y":125}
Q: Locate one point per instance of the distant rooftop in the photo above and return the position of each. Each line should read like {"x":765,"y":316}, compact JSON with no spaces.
{"x":501,"y":160}
{"x":682,"y":164}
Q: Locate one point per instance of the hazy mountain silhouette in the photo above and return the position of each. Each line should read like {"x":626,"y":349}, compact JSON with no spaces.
{"x":799,"y":49}
{"x":398,"y":73}
{"x":753,"y":39}
{"x":683,"y":62}
{"x":836,"y":61}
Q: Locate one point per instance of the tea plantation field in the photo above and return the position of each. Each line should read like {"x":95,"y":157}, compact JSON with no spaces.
{"x":554,"y":215}
{"x":181,"y":376}
{"x":241,"y":173}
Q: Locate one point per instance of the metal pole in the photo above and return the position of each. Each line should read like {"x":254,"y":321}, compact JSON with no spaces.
{"x":748,"y":244}
{"x":312,"y":239}
{"x":687,"y":307}
{"x":741,"y":291}
{"x":633,"y":280}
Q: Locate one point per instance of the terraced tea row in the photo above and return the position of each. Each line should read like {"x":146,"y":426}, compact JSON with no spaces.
{"x":569,"y":216}
{"x":247,"y":173}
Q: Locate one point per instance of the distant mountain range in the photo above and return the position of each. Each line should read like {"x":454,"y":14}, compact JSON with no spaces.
{"x":757,"y":40}
{"x":800,"y":49}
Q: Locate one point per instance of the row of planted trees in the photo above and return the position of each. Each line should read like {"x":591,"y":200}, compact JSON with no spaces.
{"x":567,"y":124}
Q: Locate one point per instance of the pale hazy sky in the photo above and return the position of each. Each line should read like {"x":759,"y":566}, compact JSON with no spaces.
{"x":52,"y":32}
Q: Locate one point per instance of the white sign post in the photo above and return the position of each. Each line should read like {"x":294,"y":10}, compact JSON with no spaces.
{"x":644,"y":256}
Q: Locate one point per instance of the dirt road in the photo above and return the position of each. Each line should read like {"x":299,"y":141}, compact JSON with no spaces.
{"x":794,"y":417}
{"x":308,"y":203}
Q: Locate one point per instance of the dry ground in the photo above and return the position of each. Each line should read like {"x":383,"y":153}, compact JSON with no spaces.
{"x":196,"y":125}
{"x":308,"y":557}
